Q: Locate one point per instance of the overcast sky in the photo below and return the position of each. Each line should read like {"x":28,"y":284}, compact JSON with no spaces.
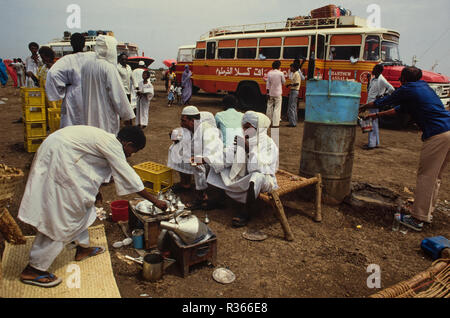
{"x":159,"y":27}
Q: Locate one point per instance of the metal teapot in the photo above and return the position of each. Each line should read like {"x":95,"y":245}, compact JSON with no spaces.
{"x":190,"y":229}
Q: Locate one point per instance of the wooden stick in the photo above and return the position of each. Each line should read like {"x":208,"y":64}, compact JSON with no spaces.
{"x":318,"y":215}
{"x":279,"y":212}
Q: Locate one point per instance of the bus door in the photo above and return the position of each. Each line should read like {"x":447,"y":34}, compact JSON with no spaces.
{"x":211,"y":50}
{"x":316,"y":52}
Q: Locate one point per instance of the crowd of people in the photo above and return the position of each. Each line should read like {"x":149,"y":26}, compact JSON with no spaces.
{"x":89,"y":150}
{"x":231,"y":151}
{"x":182,"y":90}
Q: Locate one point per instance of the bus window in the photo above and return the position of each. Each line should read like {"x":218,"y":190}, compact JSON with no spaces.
{"x":295,"y":47}
{"x":246,"y":53}
{"x":184,"y":55}
{"x":211,"y":50}
{"x":226,"y":53}
{"x":372,"y":48}
{"x":270,"y":48}
{"x":200,"y":53}
{"x":226,"y":49}
{"x":344,"y":47}
{"x":389,"y":52}
{"x":247,"y":48}
{"x":344,"y":52}
{"x":292,"y":53}
{"x":270,"y":52}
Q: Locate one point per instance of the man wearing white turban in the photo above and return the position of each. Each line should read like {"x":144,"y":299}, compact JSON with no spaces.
{"x":198,"y":148}
{"x":250,"y":166}
{"x":104,"y":99}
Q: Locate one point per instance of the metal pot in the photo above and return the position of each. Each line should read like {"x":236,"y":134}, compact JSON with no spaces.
{"x":154,"y":265}
{"x":190,"y":229}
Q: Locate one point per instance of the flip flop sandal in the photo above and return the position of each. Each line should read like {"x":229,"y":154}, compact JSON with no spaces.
{"x":36,"y":281}
{"x":95,"y":252}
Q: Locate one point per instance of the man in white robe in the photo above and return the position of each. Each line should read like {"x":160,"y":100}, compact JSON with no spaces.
{"x":145,"y":94}
{"x":251,"y":165}
{"x":60,"y":195}
{"x":64,"y":82}
{"x":199,"y":150}
{"x":104,"y":99}
{"x":136,"y":77}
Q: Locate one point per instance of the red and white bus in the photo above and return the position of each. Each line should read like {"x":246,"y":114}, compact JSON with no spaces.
{"x":236,"y":59}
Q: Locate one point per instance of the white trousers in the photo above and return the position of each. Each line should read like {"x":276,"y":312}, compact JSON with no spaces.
{"x":374,"y":135}
{"x":142,"y":109}
{"x":44,"y":250}
{"x":274,"y":110}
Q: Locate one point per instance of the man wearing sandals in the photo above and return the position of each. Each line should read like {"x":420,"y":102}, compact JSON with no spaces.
{"x":417,"y":99}
{"x":59,"y":199}
{"x":250,"y":166}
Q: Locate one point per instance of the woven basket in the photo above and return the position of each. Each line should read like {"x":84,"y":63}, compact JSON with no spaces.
{"x":9,"y":178}
{"x":9,"y":228}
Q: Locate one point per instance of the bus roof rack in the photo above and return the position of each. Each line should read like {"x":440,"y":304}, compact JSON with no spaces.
{"x":291,"y":24}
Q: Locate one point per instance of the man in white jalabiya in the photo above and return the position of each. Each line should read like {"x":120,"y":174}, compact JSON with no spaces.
{"x":136,"y":76}
{"x":64,"y":82}
{"x":378,"y":87}
{"x":145,"y":94}
{"x":104,"y":99}
{"x":251,"y":165}
{"x":125,"y":73}
{"x":197,"y":149}
{"x":63,"y":187}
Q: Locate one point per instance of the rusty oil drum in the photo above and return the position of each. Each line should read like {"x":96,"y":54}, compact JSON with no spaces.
{"x":329,"y":135}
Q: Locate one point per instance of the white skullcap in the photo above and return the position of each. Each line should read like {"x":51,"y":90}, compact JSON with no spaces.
{"x":141,"y":63}
{"x":190,"y":111}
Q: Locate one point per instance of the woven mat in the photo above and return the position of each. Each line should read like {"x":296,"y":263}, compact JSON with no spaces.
{"x":96,"y":274}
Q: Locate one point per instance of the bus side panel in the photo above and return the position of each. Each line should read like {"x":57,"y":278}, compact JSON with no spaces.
{"x":344,"y":70}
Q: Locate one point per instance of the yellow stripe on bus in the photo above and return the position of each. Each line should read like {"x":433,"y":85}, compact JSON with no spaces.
{"x":237,"y":79}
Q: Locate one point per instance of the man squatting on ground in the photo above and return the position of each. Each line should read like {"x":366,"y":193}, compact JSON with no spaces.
{"x":418,"y":100}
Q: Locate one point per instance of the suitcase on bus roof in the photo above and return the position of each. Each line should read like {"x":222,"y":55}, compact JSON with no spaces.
{"x":329,"y":11}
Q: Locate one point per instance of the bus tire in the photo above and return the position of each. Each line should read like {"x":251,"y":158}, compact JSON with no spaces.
{"x":250,"y":97}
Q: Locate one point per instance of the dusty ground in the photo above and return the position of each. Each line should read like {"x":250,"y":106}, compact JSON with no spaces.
{"x":327,"y":259}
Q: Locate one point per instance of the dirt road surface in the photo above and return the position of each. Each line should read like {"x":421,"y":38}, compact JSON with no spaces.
{"x":327,"y":259}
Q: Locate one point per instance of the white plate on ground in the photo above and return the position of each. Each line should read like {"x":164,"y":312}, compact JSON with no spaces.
{"x":223,"y":275}
{"x":254,"y":236}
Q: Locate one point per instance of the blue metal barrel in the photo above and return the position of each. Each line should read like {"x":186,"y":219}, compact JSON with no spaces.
{"x":329,"y":135}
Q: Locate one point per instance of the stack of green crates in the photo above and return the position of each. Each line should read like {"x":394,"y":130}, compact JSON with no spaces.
{"x":34,"y":117}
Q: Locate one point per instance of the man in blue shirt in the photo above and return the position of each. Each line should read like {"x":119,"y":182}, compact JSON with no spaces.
{"x":417,"y":99}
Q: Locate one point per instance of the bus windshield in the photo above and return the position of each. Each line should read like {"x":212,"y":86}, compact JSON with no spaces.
{"x":389,"y":52}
